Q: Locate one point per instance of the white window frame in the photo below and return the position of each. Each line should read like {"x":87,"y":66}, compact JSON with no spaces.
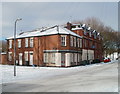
{"x":10,"y":56}
{"x":31,"y":42}
{"x":26,"y":42}
{"x":46,"y":57}
{"x":19,"y":43}
{"x":74,"y":41}
{"x":26,"y":55}
{"x":78,"y":42}
{"x":71,"y":41}
{"x":63,"y":40}
{"x":53,"y":57}
{"x":90,"y":34}
{"x":10,"y":43}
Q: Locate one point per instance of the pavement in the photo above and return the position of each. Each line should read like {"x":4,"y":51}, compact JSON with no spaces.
{"x":103,"y":78}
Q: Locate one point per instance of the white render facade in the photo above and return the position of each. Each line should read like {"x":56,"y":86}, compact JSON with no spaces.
{"x":64,"y":59}
{"x":89,"y":53}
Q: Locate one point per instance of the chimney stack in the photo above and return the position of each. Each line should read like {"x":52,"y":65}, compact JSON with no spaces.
{"x":69,"y":25}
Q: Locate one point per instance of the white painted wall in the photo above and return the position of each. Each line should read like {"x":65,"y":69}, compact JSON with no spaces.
{"x":58,"y":59}
{"x":67,"y":59}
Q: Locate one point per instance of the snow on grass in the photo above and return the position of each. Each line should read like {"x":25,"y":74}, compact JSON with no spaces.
{"x":26,"y":73}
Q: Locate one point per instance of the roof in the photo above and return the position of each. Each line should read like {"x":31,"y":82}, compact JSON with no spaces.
{"x":48,"y":31}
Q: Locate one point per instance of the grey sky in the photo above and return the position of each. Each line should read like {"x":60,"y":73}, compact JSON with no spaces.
{"x":40,"y":14}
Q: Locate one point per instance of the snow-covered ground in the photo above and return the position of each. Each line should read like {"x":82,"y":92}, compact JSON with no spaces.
{"x":25,"y":73}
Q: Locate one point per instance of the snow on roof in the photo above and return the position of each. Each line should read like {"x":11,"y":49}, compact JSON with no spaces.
{"x":49,"y":31}
{"x":89,"y":28}
{"x":78,"y":28}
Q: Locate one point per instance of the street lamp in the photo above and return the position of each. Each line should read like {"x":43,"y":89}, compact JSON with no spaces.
{"x":15,"y":46}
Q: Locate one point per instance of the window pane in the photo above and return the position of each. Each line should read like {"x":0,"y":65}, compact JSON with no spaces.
{"x":63,"y":40}
{"x":10,"y":43}
{"x":26,"y":42}
{"x":19,"y":43}
{"x":31,"y":42}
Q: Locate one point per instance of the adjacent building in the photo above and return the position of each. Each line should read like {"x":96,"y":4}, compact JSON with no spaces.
{"x":91,"y":42}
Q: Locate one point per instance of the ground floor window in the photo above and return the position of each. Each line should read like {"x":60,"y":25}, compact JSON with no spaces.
{"x":49,"y":57}
{"x":10,"y":56}
{"x":26,"y":56}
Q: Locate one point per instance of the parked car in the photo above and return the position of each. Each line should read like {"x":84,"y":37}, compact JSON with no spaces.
{"x":107,"y":60}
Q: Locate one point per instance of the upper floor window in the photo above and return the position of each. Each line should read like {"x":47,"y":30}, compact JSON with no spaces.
{"x":85,"y":42}
{"x":71,"y":41}
{"x":80,"y":43}
{"x":31,"y":42}
{"x":10,"y":43}
{"x":74,"y":41}
{"x":63,"y":40}
{"x":95,"y":36}
{"x":26,"y":42}
{"x":90,"y":35}
{"x":19,"y":43}
{"x":85,"y":33}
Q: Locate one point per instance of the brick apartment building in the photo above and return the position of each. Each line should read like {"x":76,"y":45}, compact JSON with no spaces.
{"x":92,"y":41}
{"x":55,"y":46}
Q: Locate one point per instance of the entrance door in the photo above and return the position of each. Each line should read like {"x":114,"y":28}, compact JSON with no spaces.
{"x":62,"y":59}
{"x":31,"y":58}
{"x":20,"y":58}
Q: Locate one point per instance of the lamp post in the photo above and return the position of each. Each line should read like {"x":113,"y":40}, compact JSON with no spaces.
{"x":15,"y":46}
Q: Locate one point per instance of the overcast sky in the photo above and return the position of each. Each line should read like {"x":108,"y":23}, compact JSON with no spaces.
{"x":36,"y":15}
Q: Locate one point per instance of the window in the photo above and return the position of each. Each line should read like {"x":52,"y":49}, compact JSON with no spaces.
{"x":90,"y":34}
{"x":85,"y":43}
{"x":63,"y":40}
{"x":74,"y":41}
{"x":26,"y":56}
{"x":75,"y":58}
{"x":10,"y":43}
{"x":19,"y":43}
{"x":45,"y":57}
{"x":91,"y":46}
{"x":26,"y":42}
{"x":53,"y":57}
{"x":71,"y":41}
{"x":80,"y":43}
{"x":31,"y":42}
{"x":85,"y":33}
{"x":95,"y":36}
{"x":10,"y":56}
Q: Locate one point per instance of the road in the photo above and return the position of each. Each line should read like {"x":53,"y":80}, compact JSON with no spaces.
{"x":103,"y":78}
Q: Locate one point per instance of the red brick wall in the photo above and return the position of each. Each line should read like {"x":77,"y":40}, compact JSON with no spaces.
{"x":3,"y":58}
